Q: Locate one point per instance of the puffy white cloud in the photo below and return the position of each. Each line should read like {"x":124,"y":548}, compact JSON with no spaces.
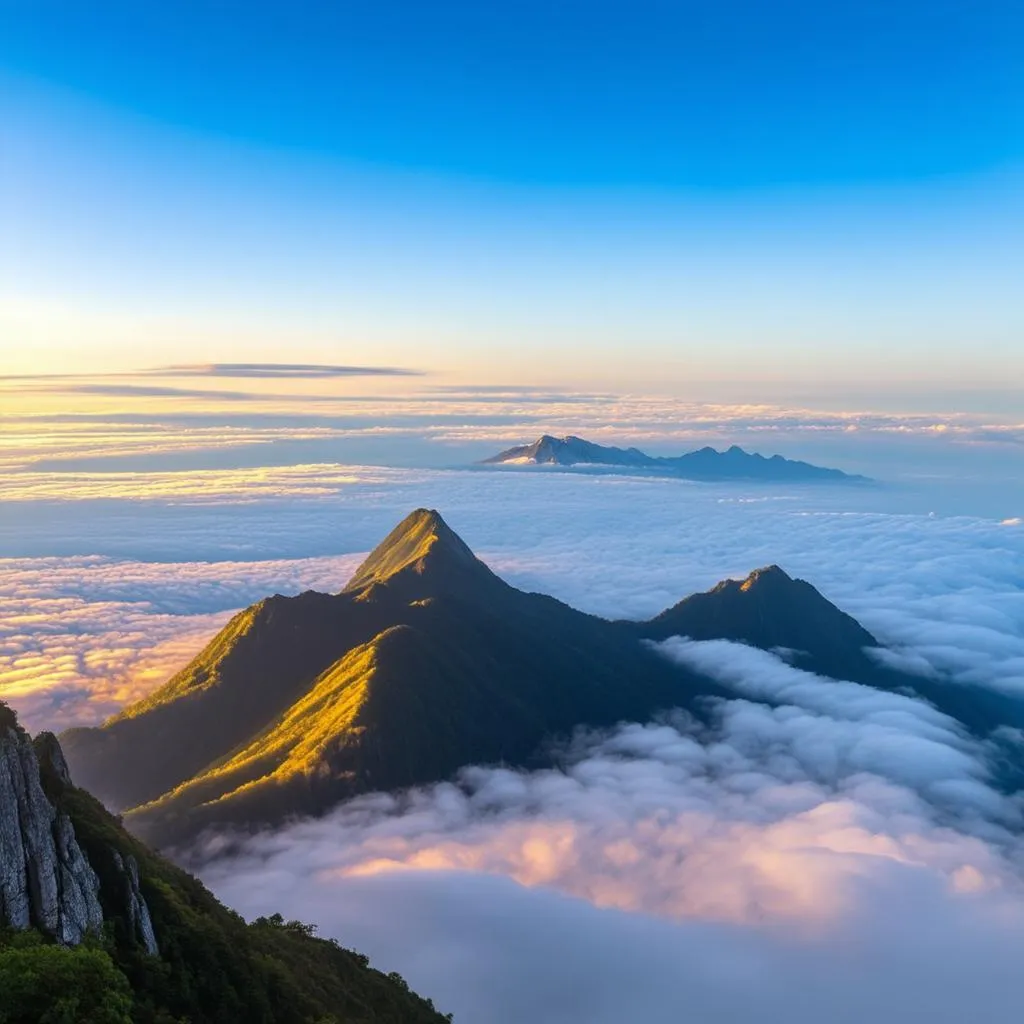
{"x":751,"y":820}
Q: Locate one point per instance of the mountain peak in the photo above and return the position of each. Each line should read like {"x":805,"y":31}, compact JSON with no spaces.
{"x":767,"y":576}
{"x":570,"y":450}
{"x":770,"y":609}
{"x":424,"y":547}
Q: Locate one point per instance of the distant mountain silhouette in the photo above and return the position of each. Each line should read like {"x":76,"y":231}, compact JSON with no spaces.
{"x":704,"y":464}
{"x":427,"y":662}
{"x":571,"y":451}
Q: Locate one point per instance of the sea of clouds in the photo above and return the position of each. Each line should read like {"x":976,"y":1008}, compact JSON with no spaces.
{"x":129,"y":587}
{"x":836,"y":854}
{"x":815,"y":861}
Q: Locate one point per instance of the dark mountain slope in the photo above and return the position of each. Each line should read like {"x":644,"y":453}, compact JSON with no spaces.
{"x":706,"y":463}
{"x":775,"y":612}
{"x":256,"y":668}
{"x":426,"y":662}
{"x":770,"y":610}
{"x":159,"y":948}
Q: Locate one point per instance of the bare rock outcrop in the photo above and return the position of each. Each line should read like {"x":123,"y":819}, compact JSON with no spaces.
{"x":136,"y":908}
{"x":45,"y":880}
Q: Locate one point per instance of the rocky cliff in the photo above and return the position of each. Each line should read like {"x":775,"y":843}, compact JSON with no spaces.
{"x":46,"y":880}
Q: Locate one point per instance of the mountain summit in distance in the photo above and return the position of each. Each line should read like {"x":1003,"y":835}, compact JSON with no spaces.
{"x":427,"y":662}
{"x":569,"y":451}
{"x":706,"y":464}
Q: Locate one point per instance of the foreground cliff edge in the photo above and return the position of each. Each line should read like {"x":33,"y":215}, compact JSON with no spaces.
{"x":97,"y":929}
{"x":427,"y":662}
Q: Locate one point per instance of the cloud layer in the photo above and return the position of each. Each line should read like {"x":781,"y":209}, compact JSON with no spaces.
{"x":475,"y":421}
{"x":783,"y":865}
{"x":283,"y":371}
{"x":840,"y":855}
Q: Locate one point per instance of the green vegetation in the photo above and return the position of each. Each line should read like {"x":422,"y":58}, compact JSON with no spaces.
{"x":46,"y":984}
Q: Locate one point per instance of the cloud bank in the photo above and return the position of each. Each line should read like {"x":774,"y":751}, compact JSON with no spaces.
{"x":281,"y":371}
{"x":783,"y":865}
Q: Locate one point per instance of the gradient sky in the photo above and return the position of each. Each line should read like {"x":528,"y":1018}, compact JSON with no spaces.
{"x":655,"y":194}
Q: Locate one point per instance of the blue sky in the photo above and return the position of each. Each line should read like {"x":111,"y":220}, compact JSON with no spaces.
{"x":658,"y":194}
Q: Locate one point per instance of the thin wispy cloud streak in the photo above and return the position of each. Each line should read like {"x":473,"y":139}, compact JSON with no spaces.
{"x":284,"y":371}
{"x":148,"y":391}
{"x":275,"y":371}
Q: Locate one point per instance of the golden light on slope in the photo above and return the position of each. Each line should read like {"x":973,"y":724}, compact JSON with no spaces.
{"x":296,"y":743}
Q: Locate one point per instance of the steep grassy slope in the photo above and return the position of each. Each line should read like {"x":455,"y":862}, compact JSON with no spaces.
{"x":255,"y":669}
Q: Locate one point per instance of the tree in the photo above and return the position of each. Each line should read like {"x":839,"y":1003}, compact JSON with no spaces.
{"x":46,"y":984}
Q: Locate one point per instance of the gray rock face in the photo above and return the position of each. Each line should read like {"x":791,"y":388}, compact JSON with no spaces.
{"x":45,"y":880}
{"x":135,"y":904}
{"x":51,"y":757}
